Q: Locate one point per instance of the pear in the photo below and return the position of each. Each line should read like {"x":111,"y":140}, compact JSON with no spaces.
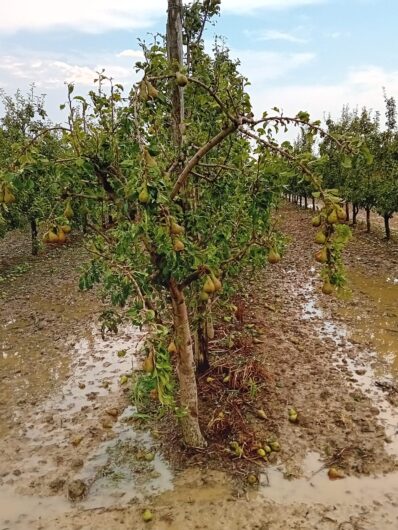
{"x":261,"y":414}
{"x":149,"y":160}
{"x":151,"y":90}
{"x":143,"y":91}
{"x":181,"y":79}
{"x":178,"y":245}
{"x":176,"y":229}
{"x":148,"y":365}
{"x":327,"y":287}
{"x":68,"y":212}
{"x":341,"y":214}
{"x":322,"y":255}
{"x":252,"y":479}
{"x":66,"y":229}
{"x":335,"y":473}
{"x":261,"y":452}
{"x":147,"y":516}
{"x":9,"y":197}
{"x":320,"y":238}
{"x":172,"y":348}
{"x":52,"y":237}
{"x":208,"y":286}
{"x":143,"y":197}
{"x":316,"y":221}
{"x":217,"y":283}
{"x":275,"y":446}
{"x":332,"y":217}
{"x":203,"y":296}
{"x":61,"y":236}
{"x":273,"y":256}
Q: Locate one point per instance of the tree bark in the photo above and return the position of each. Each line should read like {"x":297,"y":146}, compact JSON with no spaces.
{"x":301,"y":200}
{"x":347,"y":211}
{"x":355,"y":210}
{"x":185,"y":369}
{"x":175,"y":53}
{"x":305,"y":201}
{"x":367,"y":218}
{"x":387,"y":229}
{"x":35,"y":241}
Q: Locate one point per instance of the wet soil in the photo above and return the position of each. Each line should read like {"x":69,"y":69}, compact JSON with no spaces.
{"x":65,"y":416}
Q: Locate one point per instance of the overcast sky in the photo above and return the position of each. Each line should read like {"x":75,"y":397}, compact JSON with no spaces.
{"x":314,"y":55}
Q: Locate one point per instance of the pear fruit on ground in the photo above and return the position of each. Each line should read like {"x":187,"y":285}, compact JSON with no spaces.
{"x":176,"y":229}
{"x":68,"y":212}
{"x":143,"y":197}
{"x":327,"y":287}
{"x":178,"y":245}
{"x":208,"y":286}
{"x":61,"y":236}
{"x":322,"y":255}
{"x":273,"y":256}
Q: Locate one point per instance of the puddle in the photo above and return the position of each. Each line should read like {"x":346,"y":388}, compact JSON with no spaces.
{"x":364,"y":362}
{"x":379,"y":323}
{"x":342,"y":495}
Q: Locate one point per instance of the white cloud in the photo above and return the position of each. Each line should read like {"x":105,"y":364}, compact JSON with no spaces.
{"x":52,"y":72}
{"x":100,"y":15}
{"x":360,"y":87}
{"x":272,"y":34}
{"x":133,"y":54}
{"x":260,"y":66}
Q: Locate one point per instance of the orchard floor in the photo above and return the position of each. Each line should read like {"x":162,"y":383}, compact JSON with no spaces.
{"x":65,"y":417}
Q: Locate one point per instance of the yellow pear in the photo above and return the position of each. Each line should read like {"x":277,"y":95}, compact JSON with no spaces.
{"x":149,"y":160}
{"x":273,"y":256}
{"x":148,"y":365}
{"x":178,"y":245}
{"x":208,"y":286}
{"x":151,"y":90}
{"x":143,"y":91}
{"x":320,"y":238}
{"x":143,"y":197}
{"x":181,"y":79}
{"x":341,"y":214}
{"x":68,"y":212}
{"x":316,"y":221}
{"x":217,"y":283}
{"x":176,"y":229}
{"x":61,"y":236}
{"x":52,"y":237}
{"x":203,"y":296}
{"x":322,"y":255}
{"x":332,"y":217}
{"x":327,"y":287}
{"x":66,"y":229}
{"x":172,"y":348}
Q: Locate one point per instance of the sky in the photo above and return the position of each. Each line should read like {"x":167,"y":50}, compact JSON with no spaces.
{"x":312,"y":55}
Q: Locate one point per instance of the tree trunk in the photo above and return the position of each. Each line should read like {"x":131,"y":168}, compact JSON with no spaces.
{"x":355,"y":210}
{"x":35,"y":241}
{"x":185,"y":369}
{"x":367,"y":218}
{"x":175,"y":54}
{"x":305,"y":202}
{"x":347,"y":211}
{"x":201,"y":349}
{"x":387,"y":229}
{"x":301,"y":200}
{"x":313,"y":204}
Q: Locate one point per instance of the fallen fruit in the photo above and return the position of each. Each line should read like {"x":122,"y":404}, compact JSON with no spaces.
{"x":273,"y":256}
{"x":178,"y":245}
{"x":143,"y":196}
{"x":261,"y":414}
{"x":252,"y":479}
{"x":261,"y":453}
{"x":147,"y":515}
{"x":208,"y":286}
{"x":335,"y":473}
{"x":275,"y":446}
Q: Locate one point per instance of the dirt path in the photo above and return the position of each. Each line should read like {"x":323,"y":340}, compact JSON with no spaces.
{"x":65,"y":416}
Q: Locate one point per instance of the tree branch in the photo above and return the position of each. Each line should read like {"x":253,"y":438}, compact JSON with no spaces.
{"x":182,"y":178}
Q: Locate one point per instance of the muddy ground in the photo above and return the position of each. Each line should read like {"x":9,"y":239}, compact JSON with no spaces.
{"x":66,"y":422}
